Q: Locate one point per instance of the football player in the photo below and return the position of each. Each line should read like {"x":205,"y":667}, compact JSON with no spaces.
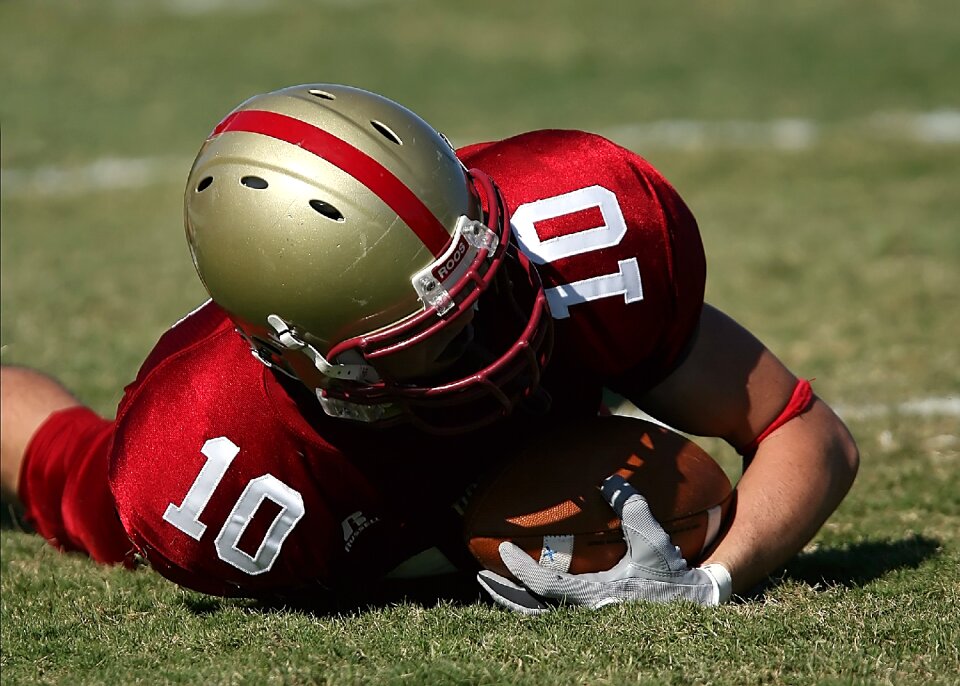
{"x":388,"y":317}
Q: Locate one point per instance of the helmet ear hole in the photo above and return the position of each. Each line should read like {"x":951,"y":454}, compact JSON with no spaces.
{"x":204,"y":184}
{"x":386,"y":132}
{"x":254,"y":182}
{"x":327,"y":210}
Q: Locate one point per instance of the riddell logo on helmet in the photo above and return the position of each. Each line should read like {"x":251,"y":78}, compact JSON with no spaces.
{"x":443,"y":270}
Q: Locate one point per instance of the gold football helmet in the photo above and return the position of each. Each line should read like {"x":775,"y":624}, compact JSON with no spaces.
{"x":354,"y":252}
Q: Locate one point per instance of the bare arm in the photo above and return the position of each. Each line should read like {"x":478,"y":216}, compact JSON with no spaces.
{"x":28,"y":398}
{"x":731,"y":386}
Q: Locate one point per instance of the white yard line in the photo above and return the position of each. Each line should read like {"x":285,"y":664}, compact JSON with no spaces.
{"x":193,"y":8}
{"x":197,"y":8}
{"x":689,"y":134}
{"x":104,"y":174}
{"x":940,"y":127}
{"x":948,"y":406}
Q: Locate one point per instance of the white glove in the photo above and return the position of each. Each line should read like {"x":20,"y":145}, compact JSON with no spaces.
{"x":652,"y":569}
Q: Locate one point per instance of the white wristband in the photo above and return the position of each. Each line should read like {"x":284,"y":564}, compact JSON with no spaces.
{"x":723,"y":583}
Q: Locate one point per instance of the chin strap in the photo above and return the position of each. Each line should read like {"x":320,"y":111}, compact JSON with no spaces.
{"x":344,"y":409}
{"x":346,"y":372}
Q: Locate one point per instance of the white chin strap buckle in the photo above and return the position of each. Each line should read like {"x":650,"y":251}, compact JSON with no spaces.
{"x":344,"y":409}
{"x":348,"y":372}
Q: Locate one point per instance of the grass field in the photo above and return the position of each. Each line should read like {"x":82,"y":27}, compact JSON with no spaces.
{"x":817,"y":144}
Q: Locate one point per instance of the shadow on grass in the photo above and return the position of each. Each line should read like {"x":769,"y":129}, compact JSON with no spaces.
{"x":452,"y":589}
{"x":858,"y":564}
{"x":11,"y":518}
{"x":849,"y":566}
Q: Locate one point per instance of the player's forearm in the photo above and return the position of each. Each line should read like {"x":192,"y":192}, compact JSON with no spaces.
{"x":797,"y":479}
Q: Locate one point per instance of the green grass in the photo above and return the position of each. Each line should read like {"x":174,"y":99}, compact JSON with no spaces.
{"x":843,"y":256}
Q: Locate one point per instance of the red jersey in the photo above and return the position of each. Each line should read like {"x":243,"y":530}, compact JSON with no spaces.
{"x":230,"y":480}
{"x":618,"y":252}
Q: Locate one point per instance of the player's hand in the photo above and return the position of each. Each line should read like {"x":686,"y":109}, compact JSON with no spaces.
{"x":652,"y":570}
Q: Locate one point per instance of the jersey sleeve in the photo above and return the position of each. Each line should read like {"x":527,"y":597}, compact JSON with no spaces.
{"x":617,"y":249}
{"x":220,"y":491}
{"x":63,"y":486}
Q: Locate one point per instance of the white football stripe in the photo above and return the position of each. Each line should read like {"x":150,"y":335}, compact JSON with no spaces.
{"x":713,"y":526}
{"x":557,"y":552}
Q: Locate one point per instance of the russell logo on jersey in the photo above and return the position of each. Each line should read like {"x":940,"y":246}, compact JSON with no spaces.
{"x":353,"y":526}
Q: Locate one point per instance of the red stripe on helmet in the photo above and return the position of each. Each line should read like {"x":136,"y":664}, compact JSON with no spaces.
{"x":354,"y":162}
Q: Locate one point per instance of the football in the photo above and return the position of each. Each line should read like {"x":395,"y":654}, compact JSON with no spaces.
{"x":547,"y":499}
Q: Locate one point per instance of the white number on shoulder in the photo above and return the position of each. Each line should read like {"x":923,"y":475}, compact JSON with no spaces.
{"x":575,"y":209}
{"x":220,"y":453}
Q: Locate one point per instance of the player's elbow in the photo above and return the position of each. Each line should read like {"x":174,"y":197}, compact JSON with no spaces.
{"x":844,"y":456}
{"x":838,"y":458}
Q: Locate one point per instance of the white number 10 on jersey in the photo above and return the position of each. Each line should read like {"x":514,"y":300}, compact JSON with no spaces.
{"x":623,"y":282}
{"x":220,"y":452}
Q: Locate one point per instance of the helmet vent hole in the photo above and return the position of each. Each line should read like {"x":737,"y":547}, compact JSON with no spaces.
{"x":254,"y":182}
{"x":327,"y":210}
{"x":323,"y":95}
{"x":204,"y":184}
{"x":386,"y":132}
